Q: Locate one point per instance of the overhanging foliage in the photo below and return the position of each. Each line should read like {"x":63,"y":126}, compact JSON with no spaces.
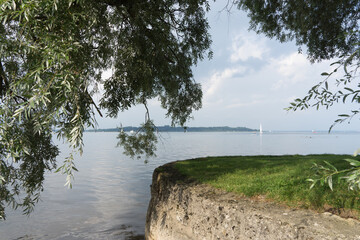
{"x":52,"y":56}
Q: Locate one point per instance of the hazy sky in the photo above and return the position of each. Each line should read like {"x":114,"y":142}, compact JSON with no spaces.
{"x":250,"y":80}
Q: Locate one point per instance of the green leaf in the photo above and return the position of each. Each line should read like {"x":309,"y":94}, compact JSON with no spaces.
{"x":2,"y":179}
{"x":353,"y":162}
{"x":313,"y":182}
{"x":330,"y":183}
{"x":331,"y":166}
{"x":337,"y":62}
{"x":13,"y":5}
{"x":349,"y":89}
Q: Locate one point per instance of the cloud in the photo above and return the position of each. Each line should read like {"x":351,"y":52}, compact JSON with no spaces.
{"x":245,"y":104}
{"x":295,"y":68}
{"x":217,"y":79}
{"x":291,"y":66}
{"x":246,"y":46}
{"x":249,"y":100}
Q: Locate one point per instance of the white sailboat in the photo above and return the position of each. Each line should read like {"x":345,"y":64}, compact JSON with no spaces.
{"x":260,"y":129}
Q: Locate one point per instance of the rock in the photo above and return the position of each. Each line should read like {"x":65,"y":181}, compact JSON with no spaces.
{"x":182,"y":209}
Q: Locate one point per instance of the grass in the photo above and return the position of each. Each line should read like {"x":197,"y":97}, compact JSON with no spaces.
{"x":278,"y":178}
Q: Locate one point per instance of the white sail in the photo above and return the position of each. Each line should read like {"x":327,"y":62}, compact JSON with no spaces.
{"x":261,"y":130}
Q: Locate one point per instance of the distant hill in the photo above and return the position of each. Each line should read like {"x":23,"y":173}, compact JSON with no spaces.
{"x":181,"y":129}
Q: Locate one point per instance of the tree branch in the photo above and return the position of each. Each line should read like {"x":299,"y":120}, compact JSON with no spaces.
{"x":147,"y":114}
{"x":93,"y":103}
{"x":4,"y":83}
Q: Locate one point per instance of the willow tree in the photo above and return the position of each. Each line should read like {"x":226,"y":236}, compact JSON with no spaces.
{"x":52,"y":56}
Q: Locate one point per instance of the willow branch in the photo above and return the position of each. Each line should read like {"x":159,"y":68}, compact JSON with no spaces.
{"x":4,"y":83}
{"x":147,"y":114}
{"x":93,"y":103}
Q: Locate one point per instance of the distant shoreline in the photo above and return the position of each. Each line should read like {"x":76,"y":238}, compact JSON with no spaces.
{"x":180,"y":129}
{"x":223,"y":129}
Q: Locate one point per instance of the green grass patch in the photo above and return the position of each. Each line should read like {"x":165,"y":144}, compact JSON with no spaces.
{"x":279,"y":178}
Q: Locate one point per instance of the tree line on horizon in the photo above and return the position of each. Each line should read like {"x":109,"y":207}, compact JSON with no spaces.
{"x":168,"y":128}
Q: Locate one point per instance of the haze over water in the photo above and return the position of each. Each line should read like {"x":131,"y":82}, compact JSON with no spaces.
{"x":111,"y":192}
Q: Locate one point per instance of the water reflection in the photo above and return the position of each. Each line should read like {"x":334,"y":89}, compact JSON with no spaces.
{"x":260,"y":144}
{"x":111,"y":192}
{"x":122,"y":232}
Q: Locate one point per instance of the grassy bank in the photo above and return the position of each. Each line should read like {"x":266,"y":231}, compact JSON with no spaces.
{"x":278,"y":178}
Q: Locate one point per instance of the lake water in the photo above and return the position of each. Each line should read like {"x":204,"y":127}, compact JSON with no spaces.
{"x":111,"y":192}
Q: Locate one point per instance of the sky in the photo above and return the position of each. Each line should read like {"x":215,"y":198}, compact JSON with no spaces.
{"x":248,"y":82}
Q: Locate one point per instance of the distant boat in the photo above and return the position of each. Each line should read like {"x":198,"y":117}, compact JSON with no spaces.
{"x":261,"y":130}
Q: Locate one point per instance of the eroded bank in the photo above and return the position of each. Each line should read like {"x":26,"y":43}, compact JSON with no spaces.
{"x":182,"y":209}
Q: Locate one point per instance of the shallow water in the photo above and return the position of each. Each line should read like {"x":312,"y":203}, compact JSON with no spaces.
{"x":111,"y":192}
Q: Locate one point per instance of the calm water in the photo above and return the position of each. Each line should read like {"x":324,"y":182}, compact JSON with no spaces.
{"x":111,"y":192}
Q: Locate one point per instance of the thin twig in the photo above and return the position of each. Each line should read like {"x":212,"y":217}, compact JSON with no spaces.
{"x":147,"y":114}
